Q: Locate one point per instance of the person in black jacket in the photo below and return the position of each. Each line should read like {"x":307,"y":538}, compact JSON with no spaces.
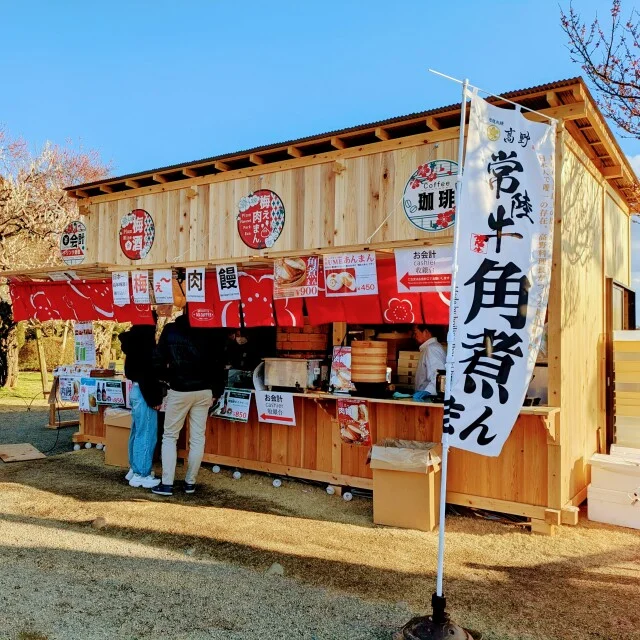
{"x":138,"y":345}
{"x":195,"y":372}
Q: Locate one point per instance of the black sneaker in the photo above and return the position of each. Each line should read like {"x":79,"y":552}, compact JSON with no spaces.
{"x":163,"y":490}
{"x":188,"y":488}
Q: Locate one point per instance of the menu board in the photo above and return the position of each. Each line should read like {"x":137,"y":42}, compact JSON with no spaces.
{"x":233,"y":404}
{"x":350,"y":274}
{"x":110,"y":392}
{"x":295,"y":277}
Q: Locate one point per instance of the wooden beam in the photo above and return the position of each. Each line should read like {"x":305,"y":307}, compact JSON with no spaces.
{"x":337,"y":143}
{"x":294,"y":152}
{"x":553,"y":99}
{"x":564,"y":112}
{"x":81,"y":194}
{"x":221,"y":166}
{"x":612,"y":172}
{"x":158,"y":177}
{"x":254,"y":158}
{"x":382,"y":134}
{"x":132,"y":184}
{"x":433,"y":123}
{"x":190,"y":173}
{"x":105,"y":188}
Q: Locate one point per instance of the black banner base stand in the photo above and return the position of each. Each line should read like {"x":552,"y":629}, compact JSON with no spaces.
{"x":437,"y":626}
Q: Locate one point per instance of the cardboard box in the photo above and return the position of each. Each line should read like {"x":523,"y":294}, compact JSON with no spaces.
{"x":117,"y":430}
{"x":406,"y":484}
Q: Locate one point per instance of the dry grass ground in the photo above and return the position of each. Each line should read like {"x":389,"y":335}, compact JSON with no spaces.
{"x":194,"y":567}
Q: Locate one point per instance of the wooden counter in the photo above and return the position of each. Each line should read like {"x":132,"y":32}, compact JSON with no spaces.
{"x":523,"y":480}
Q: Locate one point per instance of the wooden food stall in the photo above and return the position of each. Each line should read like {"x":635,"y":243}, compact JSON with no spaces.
{"x":346,"y":192}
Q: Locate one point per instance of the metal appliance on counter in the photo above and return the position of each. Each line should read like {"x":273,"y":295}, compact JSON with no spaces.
{"x":293,"y":373}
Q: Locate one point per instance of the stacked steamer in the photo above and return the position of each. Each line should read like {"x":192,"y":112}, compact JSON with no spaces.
{"x":369,"y":366}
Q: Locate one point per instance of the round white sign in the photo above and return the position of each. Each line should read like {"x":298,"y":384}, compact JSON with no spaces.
{"x":73,"y":243}
{"x":429,"y":198}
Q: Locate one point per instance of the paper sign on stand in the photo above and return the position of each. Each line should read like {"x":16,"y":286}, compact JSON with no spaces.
{"x":195,"y":284}
{"x":163,"y":286}
{"x":340,"y":378}
{"x":228,"y":287}
{"x":87,"y":401}
{"x":424,"y":270}
{"x":351,"y":274}
{"x":69,"y":388}
{"x":120,"y":286}
{"x":233,"y":405}
{"x":110,"y":392}
{"x":85,"y":346}
{"x":275,"y":407}
{"x":140,"y":286}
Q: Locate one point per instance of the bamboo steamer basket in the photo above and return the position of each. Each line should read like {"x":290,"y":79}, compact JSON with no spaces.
{"x":369,"y":361}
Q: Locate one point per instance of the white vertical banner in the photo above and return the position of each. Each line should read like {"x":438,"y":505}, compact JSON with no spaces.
{"x":120,"y":287}
{"x":195,"y":284}
{"x":502,"y":271}
{"x":163,"y":286}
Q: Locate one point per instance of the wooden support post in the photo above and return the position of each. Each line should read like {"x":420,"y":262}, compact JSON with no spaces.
{"x":44,"y":376}
{"x":339,"y":332}
{"x":63,"y":346}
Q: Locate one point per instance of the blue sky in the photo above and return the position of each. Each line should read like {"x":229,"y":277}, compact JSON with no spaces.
{"x":155,"y":83}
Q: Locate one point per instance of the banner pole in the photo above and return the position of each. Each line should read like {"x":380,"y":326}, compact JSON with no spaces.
{"x":445,"y":436}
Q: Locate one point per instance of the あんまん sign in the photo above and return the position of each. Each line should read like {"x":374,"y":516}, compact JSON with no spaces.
{"x":501,"y":286}
{"x":350,"y":274}
{"x":73,"y":243}
{"x":137,"y":232}
{"x":429,"y":198}
{"x":260,"y":219}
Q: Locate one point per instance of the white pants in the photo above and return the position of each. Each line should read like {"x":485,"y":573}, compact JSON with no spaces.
{"x":196,"y":405}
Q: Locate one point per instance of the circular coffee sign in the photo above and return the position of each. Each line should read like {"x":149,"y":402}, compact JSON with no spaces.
{"x":429,"y":199}
{"x":260,"y":219}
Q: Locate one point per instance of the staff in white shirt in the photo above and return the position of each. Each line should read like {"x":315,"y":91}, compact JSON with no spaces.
{"x":432,"y":358}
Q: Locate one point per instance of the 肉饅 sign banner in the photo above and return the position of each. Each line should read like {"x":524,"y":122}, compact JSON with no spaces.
{"x":502,"y":272}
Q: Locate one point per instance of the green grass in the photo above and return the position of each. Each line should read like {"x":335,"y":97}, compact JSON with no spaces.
{"x":28,"y":392}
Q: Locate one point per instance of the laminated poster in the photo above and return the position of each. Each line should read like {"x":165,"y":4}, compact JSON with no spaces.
{"x":350,"y":274}
{"x":353,"y":418}
{"x":340,"y":378}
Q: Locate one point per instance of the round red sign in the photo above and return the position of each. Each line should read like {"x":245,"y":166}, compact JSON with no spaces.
{"x":137,"y":232}
{"x":260,"y":219}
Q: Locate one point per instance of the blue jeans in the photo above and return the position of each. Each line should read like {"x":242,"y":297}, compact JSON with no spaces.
{"x":144,"y":433}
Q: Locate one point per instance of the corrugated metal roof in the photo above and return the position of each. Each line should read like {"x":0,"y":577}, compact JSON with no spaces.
{"x":338,"y":132}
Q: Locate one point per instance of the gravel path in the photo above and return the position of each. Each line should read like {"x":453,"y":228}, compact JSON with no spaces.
{"x":20,"y":425}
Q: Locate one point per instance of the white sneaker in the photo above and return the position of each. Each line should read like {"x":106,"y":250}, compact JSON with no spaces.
{"x":129,"y":475}
{"x":147,"y":482}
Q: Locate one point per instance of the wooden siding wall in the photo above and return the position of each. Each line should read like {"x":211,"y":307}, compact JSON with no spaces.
{"x":329,"y":204}
{"x":581,"y":321}
{"x":616,"y":237}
